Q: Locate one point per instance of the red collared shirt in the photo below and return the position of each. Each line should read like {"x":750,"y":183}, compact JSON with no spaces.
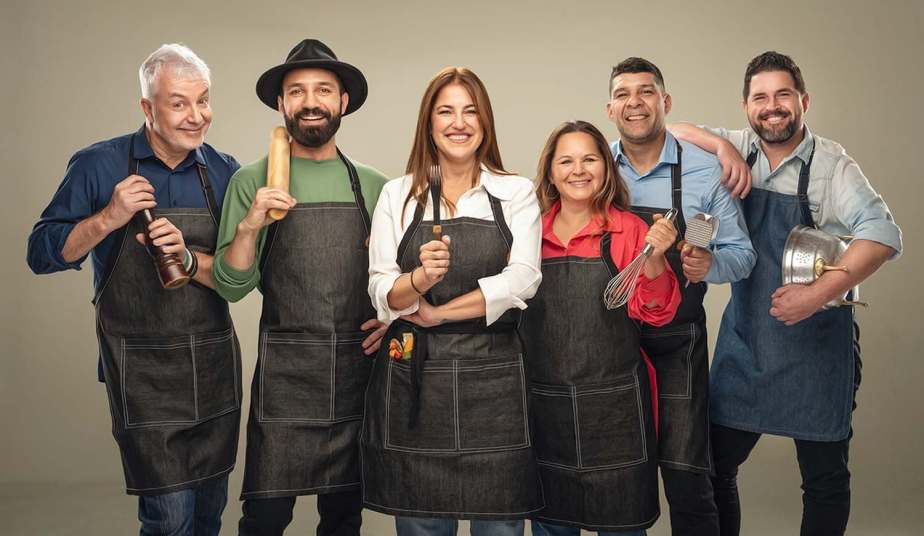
{"x":628,"y":238}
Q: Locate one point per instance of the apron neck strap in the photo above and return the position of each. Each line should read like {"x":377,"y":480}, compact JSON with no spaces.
{"x":606,"y":253}
{"x":357,"y":192}
{"x":801,"y":188}
{"x":499,"y":220}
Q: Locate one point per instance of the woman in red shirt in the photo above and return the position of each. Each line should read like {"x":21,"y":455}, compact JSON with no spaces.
{"x":591,"y":398}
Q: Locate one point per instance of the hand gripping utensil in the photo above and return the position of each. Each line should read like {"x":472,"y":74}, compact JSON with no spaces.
{"x":701,"y":231}
{"x":620,"y":288}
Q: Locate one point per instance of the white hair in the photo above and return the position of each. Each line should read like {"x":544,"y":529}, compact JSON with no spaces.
{"x":183,"y":61}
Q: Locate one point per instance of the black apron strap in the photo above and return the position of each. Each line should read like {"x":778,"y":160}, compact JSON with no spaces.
{"x":606,"y":254}
{"x":752,"y":158}
{"x":802,"y":190}
{"x":409,"y":234}
{"x":498,"y":213}
{"x":357,"y":194}
{"x":677,"y":191}
{"x":206,"y":186}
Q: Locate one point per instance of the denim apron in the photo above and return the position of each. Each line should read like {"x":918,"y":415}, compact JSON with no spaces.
{"x":307,"y":393}
{"x":446,"y":433}
{"x":680,"y":356}
{"x":589,"y":401}
{"x":795,"y":381}
{"x":170,"y":359}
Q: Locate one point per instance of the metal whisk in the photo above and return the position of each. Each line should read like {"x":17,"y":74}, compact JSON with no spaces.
{"x":620,"y":288}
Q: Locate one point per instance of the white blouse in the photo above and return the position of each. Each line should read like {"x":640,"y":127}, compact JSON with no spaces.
{"x":510,"y":288}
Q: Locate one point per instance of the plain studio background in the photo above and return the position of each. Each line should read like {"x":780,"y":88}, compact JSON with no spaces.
{"x":70,"y":79}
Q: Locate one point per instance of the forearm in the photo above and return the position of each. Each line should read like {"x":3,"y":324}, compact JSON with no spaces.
{"x":464,"y":307}
{"x":85,"y":236}
{"x":702,"y":138}
{"x":862,"y":259}
{"x":203,"y":275}
{"x":403,"y":294}
{"x":241,"y":252}
{"x":654,"y":266}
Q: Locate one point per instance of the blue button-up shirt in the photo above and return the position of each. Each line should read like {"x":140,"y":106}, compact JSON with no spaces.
{"x":91,"y":176}
{"x":732,"y":254}
{"x":840,"y":197}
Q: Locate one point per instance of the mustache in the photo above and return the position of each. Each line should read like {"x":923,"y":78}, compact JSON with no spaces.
{"x":307,"y":112}
{"x":770,"y":113}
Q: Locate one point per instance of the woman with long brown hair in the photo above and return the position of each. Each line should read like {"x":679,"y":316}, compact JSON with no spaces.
{"x":446,"y":434}
{"x":591,"y":391}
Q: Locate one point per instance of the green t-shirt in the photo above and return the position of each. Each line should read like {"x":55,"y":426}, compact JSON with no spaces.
{"x":310,"y":181}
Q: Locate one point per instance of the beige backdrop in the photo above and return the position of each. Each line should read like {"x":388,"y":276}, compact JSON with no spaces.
{"x":69,"y":79}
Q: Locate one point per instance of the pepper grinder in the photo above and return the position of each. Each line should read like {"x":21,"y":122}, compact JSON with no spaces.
{"x":169,"y":266}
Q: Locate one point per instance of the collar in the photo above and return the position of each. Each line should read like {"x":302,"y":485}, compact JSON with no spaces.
{"x":143,"y":150}
{"x":802,"y":151}
{"x":498,"y":186}
{"x":668,"y":154}
{"x":614,"y":224}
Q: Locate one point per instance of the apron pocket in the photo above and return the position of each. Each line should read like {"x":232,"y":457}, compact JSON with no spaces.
{"x":158,"y":381}
{"x":215,"y":356}
{"x":671,"y":353}
{"x":435,"y":430}
{"x":589,"y":427}
{"x":351,"y":374}
{"x":297,"y":377}
{"x":491,"y":404}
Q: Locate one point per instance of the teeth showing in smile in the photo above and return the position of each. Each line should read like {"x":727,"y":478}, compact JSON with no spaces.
{"x":636,"y":117}
{"x":580,"y":183}
{"x":458,"y":138}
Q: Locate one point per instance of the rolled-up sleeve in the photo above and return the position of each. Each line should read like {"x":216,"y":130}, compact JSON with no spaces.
{"x":863,"y":211}
{"x":733,"y":256}
{"x":520,"y":279}
{"x":383,"y":251}
{"x":70,"y":204}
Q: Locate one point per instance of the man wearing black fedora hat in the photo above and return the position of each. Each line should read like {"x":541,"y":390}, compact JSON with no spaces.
{"x":312,"y":268}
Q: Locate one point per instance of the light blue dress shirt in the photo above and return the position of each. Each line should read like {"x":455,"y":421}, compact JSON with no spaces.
{"x":732,"y":254}
{"x":841,"y":199}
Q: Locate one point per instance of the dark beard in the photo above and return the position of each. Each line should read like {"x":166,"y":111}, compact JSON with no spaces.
{"x":312,"y":136}
{"x":780,"y":135}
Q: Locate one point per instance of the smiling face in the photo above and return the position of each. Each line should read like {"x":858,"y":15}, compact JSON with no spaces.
{"x":638,"y":106}
{"x":775,"y":107}
{"x":578,"y":168}
{"x":178,"y":113}
{"x":455,"y":126}
{"x":311,"y":104}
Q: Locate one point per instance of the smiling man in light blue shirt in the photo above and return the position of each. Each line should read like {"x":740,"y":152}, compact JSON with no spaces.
{"x":784,"y":365}
{"x":664,"y":173}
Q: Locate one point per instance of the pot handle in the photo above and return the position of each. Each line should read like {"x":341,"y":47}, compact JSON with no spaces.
{"x":821,"y":267}
{"x":853,"y":302}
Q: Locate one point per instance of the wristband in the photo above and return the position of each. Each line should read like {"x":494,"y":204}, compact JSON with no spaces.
{"x":413,"y":286}
{"x":193,"y":265}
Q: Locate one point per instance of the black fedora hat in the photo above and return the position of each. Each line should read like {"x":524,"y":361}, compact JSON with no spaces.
{"x":314,"y":54}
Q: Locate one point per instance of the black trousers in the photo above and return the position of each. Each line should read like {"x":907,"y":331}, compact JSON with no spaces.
{"x":341,"y":515}
{"x":825,"y":481}
{"x":823,"y":464}
{"x":691,"y":503}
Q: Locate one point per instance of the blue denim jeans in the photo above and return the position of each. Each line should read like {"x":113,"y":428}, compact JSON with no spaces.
{"x":429,"y":526}
{"x":189,"y":512}
{"x":546,"y":529}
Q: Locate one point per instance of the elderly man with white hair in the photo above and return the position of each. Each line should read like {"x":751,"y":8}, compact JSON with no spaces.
{"x":169,"y":358}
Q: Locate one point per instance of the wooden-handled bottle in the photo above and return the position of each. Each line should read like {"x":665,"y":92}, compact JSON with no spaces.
{"x":277,"y":167}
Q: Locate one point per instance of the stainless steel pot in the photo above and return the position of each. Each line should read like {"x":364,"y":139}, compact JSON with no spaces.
{"x":809,"y":253}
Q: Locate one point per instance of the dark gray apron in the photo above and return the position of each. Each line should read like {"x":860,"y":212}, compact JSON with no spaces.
{"x":796,"y":381}
{"x":307,"y":394}
{"x":446,"y":434}
{"x":171,"y":361}
{"x":680,"y":356}
{"x":590,"y":401}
